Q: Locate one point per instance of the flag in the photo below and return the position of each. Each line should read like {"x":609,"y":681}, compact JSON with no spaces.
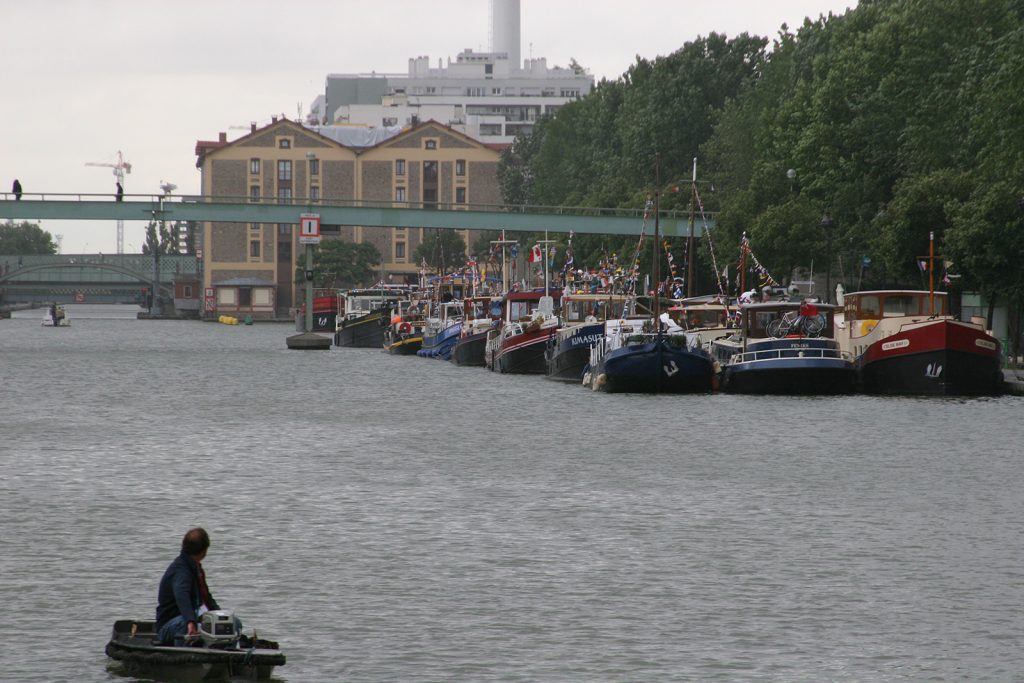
{"x":536,"y":254}
{"x":923,"y":265}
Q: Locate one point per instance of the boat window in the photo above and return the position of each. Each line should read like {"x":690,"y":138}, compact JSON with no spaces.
{"x":575,"y":311}
{"x":759,"y":323}
{"x":869,"y":307}
{"x":520,"y":309}
{"x":901,"y":304}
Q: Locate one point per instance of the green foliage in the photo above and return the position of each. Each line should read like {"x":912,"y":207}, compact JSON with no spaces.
{"x":896,"y":118}
{"x":342,"y":264}
{"x":161,"y":238}
{"x":25,"y":238}
{"x":442,"y":250}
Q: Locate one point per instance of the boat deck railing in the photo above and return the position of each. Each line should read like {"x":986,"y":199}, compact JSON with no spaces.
{"x":775,"y":354}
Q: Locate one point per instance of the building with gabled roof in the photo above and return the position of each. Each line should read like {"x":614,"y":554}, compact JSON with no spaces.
{"x":249,"y":269}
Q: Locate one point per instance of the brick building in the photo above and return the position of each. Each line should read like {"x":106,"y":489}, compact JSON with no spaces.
{"x":250,"y":268}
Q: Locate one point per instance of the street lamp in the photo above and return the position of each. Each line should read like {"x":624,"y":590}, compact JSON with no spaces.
{"x":828,"y":225}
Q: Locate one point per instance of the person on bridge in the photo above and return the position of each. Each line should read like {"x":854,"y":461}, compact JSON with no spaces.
{"x":16,"y":189}
{"x":120,"y":191}
{"x":184,"y":596}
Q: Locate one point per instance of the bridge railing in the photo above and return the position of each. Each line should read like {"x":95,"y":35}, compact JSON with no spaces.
{"x":310,"y":203}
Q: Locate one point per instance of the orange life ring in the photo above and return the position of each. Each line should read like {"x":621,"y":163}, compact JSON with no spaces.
{"x":405,"y":328}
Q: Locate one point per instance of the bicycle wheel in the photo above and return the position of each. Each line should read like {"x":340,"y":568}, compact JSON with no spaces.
{"x":814,"y":325}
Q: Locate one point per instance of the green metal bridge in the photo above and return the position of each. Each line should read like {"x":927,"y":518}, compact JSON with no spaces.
{"x":53,"y":206}
{"x":92,"y":278}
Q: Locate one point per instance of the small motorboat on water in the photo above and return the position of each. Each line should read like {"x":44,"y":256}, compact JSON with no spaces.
{"x":56,"y":316}
{"x":218,"y":653}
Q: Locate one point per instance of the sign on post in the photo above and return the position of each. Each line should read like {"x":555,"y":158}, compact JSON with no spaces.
{"x":309,"y":228}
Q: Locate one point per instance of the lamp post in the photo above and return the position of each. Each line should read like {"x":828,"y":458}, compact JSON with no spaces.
{"x":828,"y":225}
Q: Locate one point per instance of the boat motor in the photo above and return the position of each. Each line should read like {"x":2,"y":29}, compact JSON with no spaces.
{"x":217,"y":628}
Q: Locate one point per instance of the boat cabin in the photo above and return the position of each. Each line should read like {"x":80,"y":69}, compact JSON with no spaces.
{"x":522,"y":305}
{"x":702,"y":314}
{"x":894,"y":304}
{"x":356,"y":303}
{"x":583,"y":308}
{"x":784,"y":319}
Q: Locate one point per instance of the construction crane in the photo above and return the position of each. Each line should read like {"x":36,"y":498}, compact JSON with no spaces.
{"x":120,"y":169}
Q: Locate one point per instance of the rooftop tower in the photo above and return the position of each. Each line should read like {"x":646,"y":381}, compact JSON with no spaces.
{"x":505,"y":30}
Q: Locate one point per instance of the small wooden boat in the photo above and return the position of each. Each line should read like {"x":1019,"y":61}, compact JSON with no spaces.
{"x":133,"y":644}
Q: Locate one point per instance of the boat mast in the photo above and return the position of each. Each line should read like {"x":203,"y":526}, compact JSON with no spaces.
{"x":743,"y":264}
{"x":503,"y":243}
{"x":931,"y":273}
{"x":689,"y":239}
{"x":655,"y":270}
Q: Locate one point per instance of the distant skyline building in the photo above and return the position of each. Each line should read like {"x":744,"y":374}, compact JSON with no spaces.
{"x":489,"y":96}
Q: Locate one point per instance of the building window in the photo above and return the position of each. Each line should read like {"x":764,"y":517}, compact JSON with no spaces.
{"x":430,"y":144}
{"x":460,"y":195}
{"x":431,"y":90}
{"x":430,"y":171}
{"x":314,"y":167}
{"x":314,"y":193}
{"x":399,"y":194}
{"x":254,"y":193}
{"x":284,"y":195}
{"x":488,"y":68}
{"x":244,"y":296}
{"x":254,"y":248}
{"x":399,"y":250}
{"x":495,"y":91}
{"x":284,"y":143}
{"x":389,"y":121}
{"x":284,"y":170}
{"x":460,"y":167}
{"x":254,"y":166}
{"x":399,"y":166}
{"x":187,"y":291}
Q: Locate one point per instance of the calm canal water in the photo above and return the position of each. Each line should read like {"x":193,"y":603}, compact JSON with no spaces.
{"x":401,"y":519}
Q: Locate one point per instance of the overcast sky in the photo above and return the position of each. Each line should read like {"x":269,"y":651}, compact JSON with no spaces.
{"x":82,"y":79}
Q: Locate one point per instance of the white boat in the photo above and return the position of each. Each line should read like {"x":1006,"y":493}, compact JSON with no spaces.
{"x":56,"y":316}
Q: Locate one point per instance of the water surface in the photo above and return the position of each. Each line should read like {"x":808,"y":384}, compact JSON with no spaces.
{"x":402,"y":519}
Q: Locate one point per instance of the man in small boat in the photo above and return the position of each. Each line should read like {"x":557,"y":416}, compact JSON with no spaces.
{"x":183,"y":594}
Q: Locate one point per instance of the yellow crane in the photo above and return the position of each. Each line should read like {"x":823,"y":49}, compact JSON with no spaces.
{"x":120,"y":169}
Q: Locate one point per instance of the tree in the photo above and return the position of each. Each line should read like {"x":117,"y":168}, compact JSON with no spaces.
{"x":441,"y":249}
{"x":25,"y":238}
{"x":165,"y":244}
{"x":341,"y":264}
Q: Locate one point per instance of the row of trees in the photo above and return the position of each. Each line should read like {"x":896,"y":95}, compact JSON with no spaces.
{"x":896,"y":119}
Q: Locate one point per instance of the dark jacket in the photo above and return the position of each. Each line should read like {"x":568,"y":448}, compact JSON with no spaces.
{"x":180,"y":592}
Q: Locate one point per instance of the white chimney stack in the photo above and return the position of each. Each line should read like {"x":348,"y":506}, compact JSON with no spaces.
{"x":505,"y":30}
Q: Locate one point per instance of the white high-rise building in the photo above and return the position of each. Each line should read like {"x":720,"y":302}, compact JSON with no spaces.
{"x":489,"y":96}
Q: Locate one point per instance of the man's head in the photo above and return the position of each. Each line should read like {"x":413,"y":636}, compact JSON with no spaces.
{"x":196,"y":542}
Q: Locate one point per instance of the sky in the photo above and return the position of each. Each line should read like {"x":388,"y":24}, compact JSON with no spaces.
{"x":85,"y":79}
